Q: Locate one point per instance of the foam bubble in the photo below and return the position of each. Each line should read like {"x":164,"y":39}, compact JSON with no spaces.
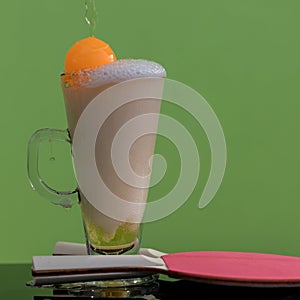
{"x":120,"y":70}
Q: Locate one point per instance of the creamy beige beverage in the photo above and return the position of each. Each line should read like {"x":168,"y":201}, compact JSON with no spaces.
{"x":104,"y":234}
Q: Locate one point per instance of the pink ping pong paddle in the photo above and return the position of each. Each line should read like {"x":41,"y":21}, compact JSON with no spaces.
{"x":234,"y":268}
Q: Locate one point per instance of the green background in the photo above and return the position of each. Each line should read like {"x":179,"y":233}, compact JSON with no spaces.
{"x":242,"y":56}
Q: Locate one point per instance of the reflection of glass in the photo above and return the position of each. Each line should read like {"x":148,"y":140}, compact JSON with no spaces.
{"x":98,"y":290}
{"x":104,"y":235}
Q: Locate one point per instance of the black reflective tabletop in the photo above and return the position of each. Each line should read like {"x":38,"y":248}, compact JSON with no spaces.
{"x":15,"y":277}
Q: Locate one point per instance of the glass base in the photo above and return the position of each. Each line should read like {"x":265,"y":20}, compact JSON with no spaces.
{"x":111,"y":288}
{"x":127,"y":249}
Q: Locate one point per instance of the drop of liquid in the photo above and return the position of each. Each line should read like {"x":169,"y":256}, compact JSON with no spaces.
{"x":91,"y":15}
{"x":52,"y":157}
{"x":66,"y":203}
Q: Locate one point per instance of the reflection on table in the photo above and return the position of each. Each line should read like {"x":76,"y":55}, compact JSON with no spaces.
{"x":14,"y":278}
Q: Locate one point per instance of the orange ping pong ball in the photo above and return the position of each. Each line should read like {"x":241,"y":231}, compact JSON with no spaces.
{"x":88,"y":53}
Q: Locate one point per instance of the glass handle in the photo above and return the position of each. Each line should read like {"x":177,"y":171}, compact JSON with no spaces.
{"x":63,"y":198}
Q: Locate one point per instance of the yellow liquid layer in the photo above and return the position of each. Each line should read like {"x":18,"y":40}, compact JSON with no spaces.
{"x":124,"y":236}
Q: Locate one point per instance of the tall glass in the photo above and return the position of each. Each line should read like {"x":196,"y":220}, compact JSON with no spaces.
{"x":104,"y":234}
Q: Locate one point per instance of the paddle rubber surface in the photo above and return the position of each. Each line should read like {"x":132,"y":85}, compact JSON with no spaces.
{"x":235,"y":266}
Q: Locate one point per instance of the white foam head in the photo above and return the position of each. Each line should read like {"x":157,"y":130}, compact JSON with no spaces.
{"x":121,"y":70}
